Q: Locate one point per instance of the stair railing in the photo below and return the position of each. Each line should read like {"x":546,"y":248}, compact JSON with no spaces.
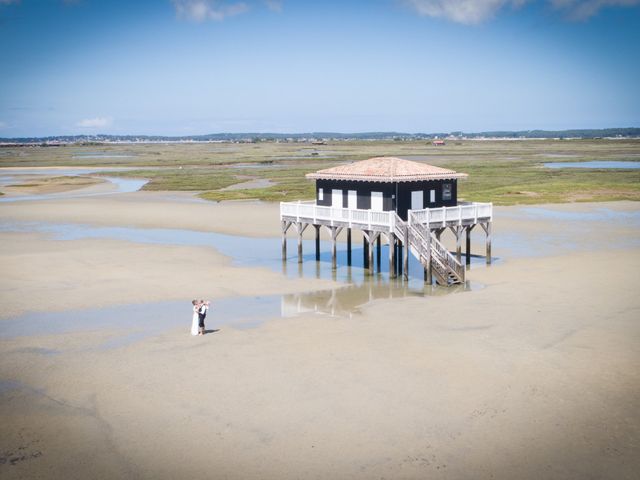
{"x":438,"y":251}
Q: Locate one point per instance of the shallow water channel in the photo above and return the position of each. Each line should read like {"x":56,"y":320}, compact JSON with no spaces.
{"x":241,"y":312}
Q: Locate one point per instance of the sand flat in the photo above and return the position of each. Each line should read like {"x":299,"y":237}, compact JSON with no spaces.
{"x":535,"y":375}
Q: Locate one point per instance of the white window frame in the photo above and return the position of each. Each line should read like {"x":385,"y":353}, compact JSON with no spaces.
{"x":352,"y":199}
{"x":334,"y":195}
{"x":414,"y":196}
{"x":320,"y":194}
{"x":432,"y":196}
{"x":377,"y":195}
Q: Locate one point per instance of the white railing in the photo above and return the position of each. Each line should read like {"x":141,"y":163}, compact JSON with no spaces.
{"x":341,"y":216}
{"x":438,"y":250}
{"x":458,"y":215}
{"x":463,"y":214}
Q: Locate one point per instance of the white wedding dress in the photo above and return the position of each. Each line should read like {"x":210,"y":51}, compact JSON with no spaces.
{"x":194,"y":322}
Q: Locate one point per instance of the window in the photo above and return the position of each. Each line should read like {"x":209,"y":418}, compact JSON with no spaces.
{"x":352,"y":199}
{"x":376,"y":201}
{"x":320,"y":194}
{"x":336,"y":198}
{"x":446,"y":191}
{"x":432,"y":196}
{"x":417,"y":200}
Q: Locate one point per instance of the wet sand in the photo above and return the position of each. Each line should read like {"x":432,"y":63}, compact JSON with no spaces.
{"x":533,"y":376}
{"x":47,"y":184}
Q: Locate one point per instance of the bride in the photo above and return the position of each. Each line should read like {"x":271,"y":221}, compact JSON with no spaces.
{"x":194,"y":319}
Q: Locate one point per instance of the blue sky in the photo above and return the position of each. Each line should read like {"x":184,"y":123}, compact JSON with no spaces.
{"x":203,"y":66}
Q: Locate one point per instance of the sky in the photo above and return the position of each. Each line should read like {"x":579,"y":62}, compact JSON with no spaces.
{"x":189,"y":67}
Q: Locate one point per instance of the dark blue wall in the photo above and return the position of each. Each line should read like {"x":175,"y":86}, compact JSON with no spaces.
{"x":389,"y":191}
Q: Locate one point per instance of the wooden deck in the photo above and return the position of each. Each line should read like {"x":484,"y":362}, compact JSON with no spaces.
{"x":420,"y":235}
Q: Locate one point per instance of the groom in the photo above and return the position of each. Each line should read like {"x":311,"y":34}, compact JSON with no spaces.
{"x":202,"y":314}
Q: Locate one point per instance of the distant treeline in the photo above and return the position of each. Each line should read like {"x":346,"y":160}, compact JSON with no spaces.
{"x":261,"y":136}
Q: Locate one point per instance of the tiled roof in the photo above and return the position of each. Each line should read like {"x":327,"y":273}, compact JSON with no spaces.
{"x":386,"y":169}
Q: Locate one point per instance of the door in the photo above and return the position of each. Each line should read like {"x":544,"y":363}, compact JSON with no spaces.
{"x":376,"y":201}
{"x":352,"y":198}
{"x":336,"y":198}
{"x":417,"y":200}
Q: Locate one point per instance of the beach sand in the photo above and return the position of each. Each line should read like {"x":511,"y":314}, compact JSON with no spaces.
{"x":533,"y":375}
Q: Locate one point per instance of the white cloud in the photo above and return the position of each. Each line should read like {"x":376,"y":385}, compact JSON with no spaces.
{"x":201,"y":10}
{"x":477,"y":11}
{"x":584,"y":9}
{"x":462,"y":11}
{"x":274,"y":5}
{"x":98,"y":122}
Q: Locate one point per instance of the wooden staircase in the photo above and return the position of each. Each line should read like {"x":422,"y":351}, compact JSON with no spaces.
{"x":432,"y":254}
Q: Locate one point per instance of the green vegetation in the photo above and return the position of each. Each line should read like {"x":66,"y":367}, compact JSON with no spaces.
{"x":503,"y":172}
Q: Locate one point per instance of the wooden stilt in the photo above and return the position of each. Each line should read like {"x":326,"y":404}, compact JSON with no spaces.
{"x":488,"y":230}
{"x":334,"y":256}
{"x":301,"y":227}
{"x":407,"y":246}
{"x":284,"y":246}
{"x":392,"y":255}
{"x":468,"y":246}
{"x":457,"y":232}
{"x":349,"y":246}
{"x":370,"y":238}
{"x":379,"y":252}
{"x":370,"y":259}
{"x":365,"y":250}
{"x":285,"y":226}
{"x":317,"y":228}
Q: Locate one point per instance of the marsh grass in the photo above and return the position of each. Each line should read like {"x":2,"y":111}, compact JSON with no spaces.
{"x":502,"y":172}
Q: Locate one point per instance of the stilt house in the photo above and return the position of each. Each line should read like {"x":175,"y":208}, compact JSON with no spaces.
{"x":409,"y":203}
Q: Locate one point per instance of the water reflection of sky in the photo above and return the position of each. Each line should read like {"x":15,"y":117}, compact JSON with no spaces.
{"x":127,"y":324}
{"x":243,"y":312}
{"x":593,"y":214}
{"x":244,"y":251}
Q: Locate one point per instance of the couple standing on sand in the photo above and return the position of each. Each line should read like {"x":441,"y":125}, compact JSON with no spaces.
{"x":200,"y":309}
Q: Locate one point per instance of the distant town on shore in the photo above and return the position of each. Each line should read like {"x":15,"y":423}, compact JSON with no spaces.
{"x":319,"y":137}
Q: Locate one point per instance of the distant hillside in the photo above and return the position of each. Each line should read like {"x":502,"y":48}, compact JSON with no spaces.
{"x":630,"y":132}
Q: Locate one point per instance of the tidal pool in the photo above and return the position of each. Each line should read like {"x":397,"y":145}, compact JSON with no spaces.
{"x":131,"y":323}
{"x":9,"y":176}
